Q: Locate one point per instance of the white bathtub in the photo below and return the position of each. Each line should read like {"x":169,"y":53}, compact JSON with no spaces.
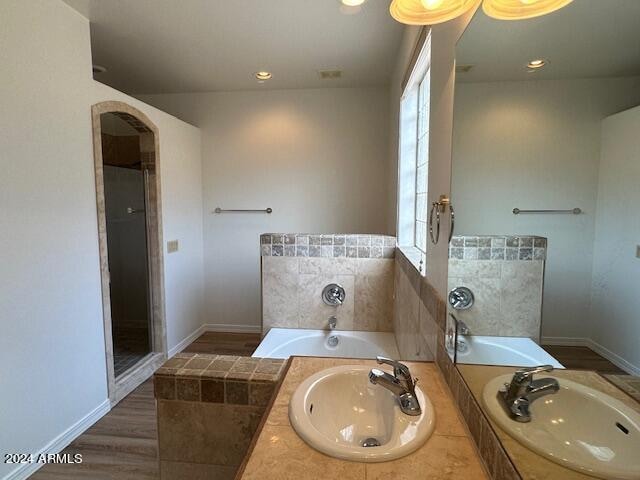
{"x":284,"y":342}
{"x":508,"y":351}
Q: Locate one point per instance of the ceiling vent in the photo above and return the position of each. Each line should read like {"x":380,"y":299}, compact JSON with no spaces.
{"x":463,"y":68}
{"x":330,"y":74}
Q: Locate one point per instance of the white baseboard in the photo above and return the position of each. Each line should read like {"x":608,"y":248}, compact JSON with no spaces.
{"x":225,"y":327}
{"x":566,"y":341}
{"x":61,"y":441}
{"x":187,"y":341}
{"x":614,"y":358}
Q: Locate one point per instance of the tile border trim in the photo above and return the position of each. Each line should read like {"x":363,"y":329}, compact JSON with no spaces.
{"x":498,"y":247}
{"x":333,"y":245}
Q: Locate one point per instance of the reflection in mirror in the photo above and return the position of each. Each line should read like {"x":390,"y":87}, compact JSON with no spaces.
{"x":546,"y":122}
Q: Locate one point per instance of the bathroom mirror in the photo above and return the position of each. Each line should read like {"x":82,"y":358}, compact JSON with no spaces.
{"x":545,"y":175}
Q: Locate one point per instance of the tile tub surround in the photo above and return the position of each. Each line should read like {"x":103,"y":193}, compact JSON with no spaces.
{"x":292,"y":292}
{"x":209,"y":407}
{"x":530,"y":465}
{"x":327,"y":245}
{"x":278,"y":452}
{"x":419,"y":313}
{"x":508,"y":294}
{"x":427,"y":335}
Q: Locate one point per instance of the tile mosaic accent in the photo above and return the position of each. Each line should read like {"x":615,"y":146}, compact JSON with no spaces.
{"x":327,"y":245}
{"x":498,"y":247}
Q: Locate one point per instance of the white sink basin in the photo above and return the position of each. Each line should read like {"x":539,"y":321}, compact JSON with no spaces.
{"x":337,"y":409}
{"x":578,"y":427}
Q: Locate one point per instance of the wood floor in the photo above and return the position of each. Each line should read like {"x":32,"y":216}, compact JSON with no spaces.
{"x":123,"y":445}
{"x":243,"y":344}
{"x":582,"y":358}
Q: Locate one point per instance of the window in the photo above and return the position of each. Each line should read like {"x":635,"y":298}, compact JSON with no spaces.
{"x":414,"y":160}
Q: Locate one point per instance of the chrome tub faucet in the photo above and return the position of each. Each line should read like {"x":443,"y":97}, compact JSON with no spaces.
{"x":401,"y":384}
{"x":518,"y":395}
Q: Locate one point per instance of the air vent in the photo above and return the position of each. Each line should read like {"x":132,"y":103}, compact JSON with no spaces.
{"x":330,"y":74}
{"x":463,"y":68}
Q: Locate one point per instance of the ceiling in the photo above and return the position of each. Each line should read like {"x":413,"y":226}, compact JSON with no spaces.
{"x":588,"y":38}
{"x":172,"y":46}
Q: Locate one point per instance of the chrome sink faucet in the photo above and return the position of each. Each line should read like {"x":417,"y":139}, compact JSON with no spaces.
{"x":401,"y":384}
{"x":518,"y":395}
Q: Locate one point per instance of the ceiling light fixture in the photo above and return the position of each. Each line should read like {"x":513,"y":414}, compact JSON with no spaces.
{"x":521,"y":9}
{"x":352,"y":3}
{"x":429,"y":12}
{"x":263,"y":75}
{"x":536,"y":64}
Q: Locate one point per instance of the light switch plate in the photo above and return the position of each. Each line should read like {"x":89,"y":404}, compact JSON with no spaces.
{"x":172,"y":246}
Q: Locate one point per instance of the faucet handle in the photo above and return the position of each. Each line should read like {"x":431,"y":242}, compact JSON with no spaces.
{"x":398,"y":368}
{"x":526,"y":373}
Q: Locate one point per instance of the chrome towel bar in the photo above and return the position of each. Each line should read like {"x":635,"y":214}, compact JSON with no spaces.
{"x":573,"y":211}
{"x":221,"y":210}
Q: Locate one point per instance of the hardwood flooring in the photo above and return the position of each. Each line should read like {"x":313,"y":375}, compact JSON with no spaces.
{"x":582,"y":358}
{"x":123,"y":445}
{"x":243,"y":344}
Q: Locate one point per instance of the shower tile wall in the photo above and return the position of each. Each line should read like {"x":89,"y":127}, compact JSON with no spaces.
{"x":505,"y":274}
{"x":292,"y":285}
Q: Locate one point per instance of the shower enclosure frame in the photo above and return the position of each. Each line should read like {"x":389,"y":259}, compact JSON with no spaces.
{"x":119,"y":387}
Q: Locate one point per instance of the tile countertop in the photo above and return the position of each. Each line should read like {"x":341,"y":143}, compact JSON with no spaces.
{"x":279,"y":454}
{"x":530,"y":465}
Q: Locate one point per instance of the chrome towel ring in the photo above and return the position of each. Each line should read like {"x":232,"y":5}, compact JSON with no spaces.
{"x":439,"y":208}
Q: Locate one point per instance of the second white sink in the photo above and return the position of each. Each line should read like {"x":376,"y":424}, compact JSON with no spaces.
{"x":578,"y":427}
{"x":338,"y":410}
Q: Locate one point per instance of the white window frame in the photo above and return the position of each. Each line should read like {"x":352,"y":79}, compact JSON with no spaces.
{"x":414,"y":140}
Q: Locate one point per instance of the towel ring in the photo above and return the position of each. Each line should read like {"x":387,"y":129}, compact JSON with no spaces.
{"x":453,"y":221}
{"x":435,"y":206}
{"x":439,"y":208}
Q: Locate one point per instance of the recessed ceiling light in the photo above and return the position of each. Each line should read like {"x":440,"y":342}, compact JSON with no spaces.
{"x":537,"y":63}
{"x":262,"y":75}
{"x":352,"y":3}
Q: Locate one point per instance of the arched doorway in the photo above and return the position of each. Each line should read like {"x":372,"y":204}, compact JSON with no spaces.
{"x":128,"y":203}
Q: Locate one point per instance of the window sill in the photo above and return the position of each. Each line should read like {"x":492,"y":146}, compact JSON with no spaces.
{"x":414,"y":256}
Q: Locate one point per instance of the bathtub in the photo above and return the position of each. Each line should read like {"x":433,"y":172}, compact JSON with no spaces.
{"x":284,"y":342}
{"x":508,"y":351}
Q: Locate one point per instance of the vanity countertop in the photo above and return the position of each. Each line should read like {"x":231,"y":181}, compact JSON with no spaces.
{"x":530,"y":465}
{"x":278,"y":453}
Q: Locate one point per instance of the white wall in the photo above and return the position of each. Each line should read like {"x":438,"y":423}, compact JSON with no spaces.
{"x":536,"y":144}
{"x":52,"y":342}
{"x":181,"y":188}
{"x":317,"y":157}
{"x":51,"y":345}
{"x":615,"y":310}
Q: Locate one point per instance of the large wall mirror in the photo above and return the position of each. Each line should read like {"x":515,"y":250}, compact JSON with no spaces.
{"x":544,"y":267}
